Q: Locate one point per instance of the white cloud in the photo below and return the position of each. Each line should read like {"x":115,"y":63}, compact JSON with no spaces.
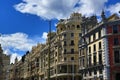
{"x":14,"y":56}
{"x":17,"y":41}
{"x":44,"y":36}
{"x":50,"y":9}
{"x":90,"y":7}
{"x":47,"y":9}
{"x":12,"y":44}
{"x":114,"y":8}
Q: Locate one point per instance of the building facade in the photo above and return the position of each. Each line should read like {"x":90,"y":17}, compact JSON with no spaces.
{"x":59,"y":54}
{"x":98,"y":54}
{"x":4,"y":65}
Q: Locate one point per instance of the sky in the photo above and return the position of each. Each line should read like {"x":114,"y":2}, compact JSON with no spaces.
{"x":24,"y":23}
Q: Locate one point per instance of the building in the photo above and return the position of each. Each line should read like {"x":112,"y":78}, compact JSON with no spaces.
{"x":59,"y":55}
{"x":4,"y":65}
{"x":64,"y":49}
{"x":99,"y":48}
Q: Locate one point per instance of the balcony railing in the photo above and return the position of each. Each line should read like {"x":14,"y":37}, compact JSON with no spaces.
{"x":95,"y":66}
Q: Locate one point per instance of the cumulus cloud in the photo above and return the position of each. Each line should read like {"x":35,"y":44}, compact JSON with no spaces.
{"x":14,"y":43}
{"x":14,"y":56}
{"x":17,"y":41}
{"x":90,"y":7}
{"x":57,"y":9}
{"x":47,"y":9}
{"x":44,"y":36}
{"x":114,"y":8}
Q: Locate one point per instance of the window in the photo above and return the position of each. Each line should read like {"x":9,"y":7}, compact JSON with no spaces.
{"x":72,"y":51}
{"x":61,"y":29}
{"x":72,"y":42}
{"x":101,"y":78}
{"x":78,"y":26}
{"x":95,"y":72}
{"x":80,"y":34}
{"x":89,"y":60}
{"x":80,"y":62}
{"x":100,"y":58}
{"x":99,"y":34}
{"x":83,"y":53}
{"x":117,"y":56}
{"x":64,"y":58}
{"x":89,"y":39}
{"x":65,"y":51}
{"x":100,"y":71}
{"x":56,"y":54}
{"x":89,"y":49}
{"x":37,"y":62}
{"x":65,"y":43}
{"x":83,"y":62}
{"x":64,"y":35}
{"x":94,"y":47}
{"x":117,"y":76}
{"x":68,"y":26}
{"x":94,"y":59}
{"x":85,"y":73}
{"x":99,"y":45}
{"x":72,"y":34}
{"x":80,"y":52}
{"x":94,"y":36}
{"x":73,"y":25}
{"x":115,"y":29}
{"x":90,"y":73}
{"x":72,"y":58}
{"x":116,"y":41}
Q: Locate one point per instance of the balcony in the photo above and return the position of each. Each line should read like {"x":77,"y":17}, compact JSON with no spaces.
{"x":96,"y":66}
{"x":68,"y":74}
{"x":67,"y":62}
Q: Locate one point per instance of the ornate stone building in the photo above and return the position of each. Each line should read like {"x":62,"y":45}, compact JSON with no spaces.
{"x":62,"y":46}
{"x":4,"y":65}
{"x":63,"y":51}
{"x":99,"y":49}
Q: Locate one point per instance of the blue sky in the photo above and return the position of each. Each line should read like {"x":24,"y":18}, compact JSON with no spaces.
{"x":24,"y":23}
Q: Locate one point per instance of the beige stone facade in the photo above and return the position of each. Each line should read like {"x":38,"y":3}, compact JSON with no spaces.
{"x":4,"y":65}
{"x":62,"y":46}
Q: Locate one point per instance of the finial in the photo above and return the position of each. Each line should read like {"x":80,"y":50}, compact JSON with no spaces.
{"x":103,"y":16}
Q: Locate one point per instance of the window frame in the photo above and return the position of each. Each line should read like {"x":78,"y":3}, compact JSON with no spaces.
{"x":115,"y":29}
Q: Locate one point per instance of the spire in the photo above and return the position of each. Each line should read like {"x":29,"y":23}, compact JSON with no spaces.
{"x":103,"y":16}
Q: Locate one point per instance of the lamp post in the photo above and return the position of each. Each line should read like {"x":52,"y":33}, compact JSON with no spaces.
{"x":49,"y":45}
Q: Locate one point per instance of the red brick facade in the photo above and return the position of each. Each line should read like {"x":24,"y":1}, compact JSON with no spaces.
{"x":114,"y":68}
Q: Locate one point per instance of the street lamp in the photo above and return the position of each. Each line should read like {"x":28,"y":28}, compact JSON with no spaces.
{"x":49,"y":45}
